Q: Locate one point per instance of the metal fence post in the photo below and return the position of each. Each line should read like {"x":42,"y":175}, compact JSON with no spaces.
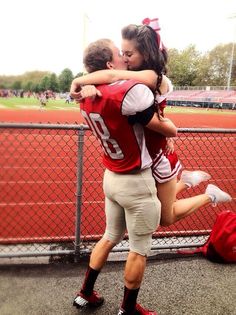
{"x":79,"y":192}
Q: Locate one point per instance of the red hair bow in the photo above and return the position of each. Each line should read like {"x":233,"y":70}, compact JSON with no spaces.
{"x":154,"y":24}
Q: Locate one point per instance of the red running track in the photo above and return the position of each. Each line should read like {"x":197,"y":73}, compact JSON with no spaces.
{"x":38,"y":198}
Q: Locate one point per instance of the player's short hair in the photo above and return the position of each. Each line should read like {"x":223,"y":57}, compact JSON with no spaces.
{"x":97,"y":54}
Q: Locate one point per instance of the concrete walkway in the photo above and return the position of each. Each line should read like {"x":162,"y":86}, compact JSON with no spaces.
{"x":172,"y":286}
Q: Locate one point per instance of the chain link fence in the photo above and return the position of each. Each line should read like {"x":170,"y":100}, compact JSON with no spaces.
{"x":51,"y":198}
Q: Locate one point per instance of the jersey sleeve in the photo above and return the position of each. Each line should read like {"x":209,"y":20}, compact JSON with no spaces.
{"x":160,"y":98}
{"x":137,"y":99}
{"x":143,"y":117}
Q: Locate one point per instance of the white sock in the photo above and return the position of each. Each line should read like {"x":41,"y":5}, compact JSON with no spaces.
{"x":213,"y":198}
{"x":187,"y":184}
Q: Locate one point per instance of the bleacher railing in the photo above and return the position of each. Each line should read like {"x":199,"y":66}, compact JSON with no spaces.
{"x":52,"y":203}
{"x":204,"y":88}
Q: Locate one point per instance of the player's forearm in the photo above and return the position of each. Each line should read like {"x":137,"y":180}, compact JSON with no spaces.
{"x":95,"y":78}
{"x":166,"y":127}
{"x":147,"y":77}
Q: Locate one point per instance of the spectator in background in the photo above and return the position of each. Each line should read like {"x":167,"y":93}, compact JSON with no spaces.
{"x":68,"y":99}
{"x":43,"y":100}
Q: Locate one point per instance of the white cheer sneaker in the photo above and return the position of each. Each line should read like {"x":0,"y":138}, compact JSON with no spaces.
{"x":194,"y":178}
{"x":217,"y":195}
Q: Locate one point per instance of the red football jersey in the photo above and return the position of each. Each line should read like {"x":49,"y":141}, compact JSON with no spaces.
{"x":156,"y":141}
{"x":123,"y":144}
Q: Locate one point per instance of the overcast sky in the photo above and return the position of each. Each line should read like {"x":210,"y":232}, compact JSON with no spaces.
{"x":50,"y":35}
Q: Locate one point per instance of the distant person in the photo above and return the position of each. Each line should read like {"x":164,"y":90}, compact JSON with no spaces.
{"x":43,"y":100}
{"x":47,"y":96}
{"x":220,"y":107}
{"x":68,"y":99}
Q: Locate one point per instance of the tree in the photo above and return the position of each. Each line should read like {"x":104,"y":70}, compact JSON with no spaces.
{"x":203,"y":72}
{"x":218,"y":65}
{"x":16,"y":85}
{"x":45,"y":83}
{"x":28,"y":86}
{"x":36,"y":88}
{"x":183,"y":65}
{"x":65,"y":79}
{"x":185,"y":68}
{"x":34,"y":76}
{"x":53,"y":83}
{"x":233,"y":74}
{"x":232,"y":66}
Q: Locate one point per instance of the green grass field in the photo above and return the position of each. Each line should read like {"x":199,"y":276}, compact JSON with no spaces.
{"x":33,"y":103}
{"x":17,"y":103}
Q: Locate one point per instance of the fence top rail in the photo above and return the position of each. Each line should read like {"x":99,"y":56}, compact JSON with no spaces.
{"x":86,"y":127}
{"x":207,"y":130}
{"x":44,"y":126}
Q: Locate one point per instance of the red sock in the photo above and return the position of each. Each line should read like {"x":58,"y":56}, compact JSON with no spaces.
{"x":129,"y":300}
{"x":89,"y":281}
